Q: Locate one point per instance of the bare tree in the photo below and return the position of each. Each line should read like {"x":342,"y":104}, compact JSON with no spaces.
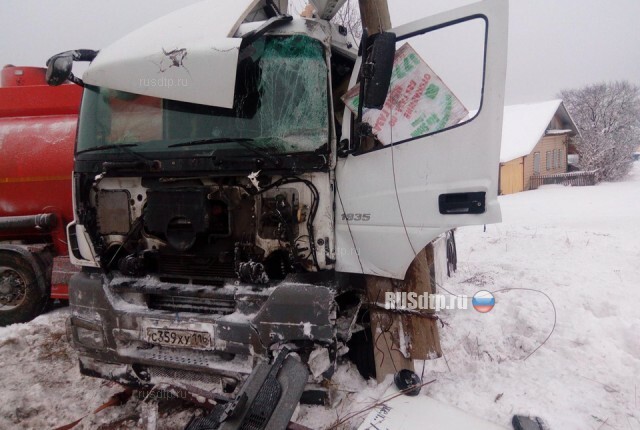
{"x":348,"y":16}
{"x":608,"y":117}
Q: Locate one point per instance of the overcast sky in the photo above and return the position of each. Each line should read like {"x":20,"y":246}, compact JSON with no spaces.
{"x":553,"y":44}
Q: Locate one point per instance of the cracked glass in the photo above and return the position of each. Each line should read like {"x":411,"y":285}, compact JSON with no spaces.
{"x":280,"y":104}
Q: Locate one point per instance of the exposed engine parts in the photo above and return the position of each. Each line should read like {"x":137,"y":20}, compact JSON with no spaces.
{"x":278,"y":219}
{"x":181,"y":215}
{"x":252,"y":272}
{"x":202,"y":228}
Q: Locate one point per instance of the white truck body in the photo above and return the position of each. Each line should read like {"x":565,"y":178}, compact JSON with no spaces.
{"x":227,"y":204}
{"x":191,"y":55}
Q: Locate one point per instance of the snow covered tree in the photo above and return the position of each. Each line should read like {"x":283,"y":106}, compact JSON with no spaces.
{"x":608,"y":117}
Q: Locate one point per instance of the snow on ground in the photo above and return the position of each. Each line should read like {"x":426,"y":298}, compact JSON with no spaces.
{"x":580,"y":246}
{"x":41,"y":386}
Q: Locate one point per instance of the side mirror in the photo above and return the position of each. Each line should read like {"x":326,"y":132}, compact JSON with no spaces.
{"x":380,"y":68}
{"x":60,"y":65}
{"x":59,"y":69}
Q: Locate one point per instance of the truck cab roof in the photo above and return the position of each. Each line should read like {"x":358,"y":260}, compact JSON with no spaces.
{"x":191,"y":55}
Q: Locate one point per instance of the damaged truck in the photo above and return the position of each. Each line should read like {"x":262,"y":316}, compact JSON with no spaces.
{"x":241,"y":176}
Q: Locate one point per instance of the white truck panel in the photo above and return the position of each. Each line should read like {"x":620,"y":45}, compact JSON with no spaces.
{"x":388,"y":206}
{"x":176,"y":56}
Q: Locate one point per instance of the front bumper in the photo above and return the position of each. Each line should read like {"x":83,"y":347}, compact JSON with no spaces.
{"x":110,"y":317}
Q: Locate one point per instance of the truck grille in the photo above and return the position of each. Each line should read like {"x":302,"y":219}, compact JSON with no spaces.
{"x":195,"y":267}
{"x":199,"y":379}
{"x":205,"y":305}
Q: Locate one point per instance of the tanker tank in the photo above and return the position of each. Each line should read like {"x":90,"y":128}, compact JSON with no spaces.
{"x":37,"y":137}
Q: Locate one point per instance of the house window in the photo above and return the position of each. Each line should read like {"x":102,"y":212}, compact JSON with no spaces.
{"x":548,"y":159}
{"x":559,"y":159}
{"x":554,"y":159}
{"x":536,"y":163}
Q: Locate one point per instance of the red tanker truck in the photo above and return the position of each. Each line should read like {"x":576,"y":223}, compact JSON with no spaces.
{"x":37,"y":135}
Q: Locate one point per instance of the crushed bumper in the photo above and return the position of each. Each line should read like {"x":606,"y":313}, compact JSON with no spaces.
{"x":111,"y":318}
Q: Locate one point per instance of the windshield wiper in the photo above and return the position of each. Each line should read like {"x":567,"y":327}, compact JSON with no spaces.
{"x":245,"y":142}
{"x":124,"y":146}
{"x":110,"y":165}
{"x":212,"y":140}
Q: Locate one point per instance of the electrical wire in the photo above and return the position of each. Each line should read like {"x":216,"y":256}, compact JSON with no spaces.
{"x":555,"y":314}
{"x":312,"y":211}
{"x":395,"y":187}
{"x":506,"y":290}
{"x":353,"y":240}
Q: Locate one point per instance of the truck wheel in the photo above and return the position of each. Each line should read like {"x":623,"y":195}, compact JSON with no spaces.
{"x":20,"y":298}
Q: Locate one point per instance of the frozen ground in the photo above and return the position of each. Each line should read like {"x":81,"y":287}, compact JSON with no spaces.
{"x":580,"y":246}
{"x":41,"y":387}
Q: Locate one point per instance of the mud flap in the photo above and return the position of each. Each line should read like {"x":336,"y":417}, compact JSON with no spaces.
{"x":266,"y":401}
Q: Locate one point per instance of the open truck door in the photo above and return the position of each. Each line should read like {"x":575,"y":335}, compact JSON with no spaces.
{"x":434,"y":161}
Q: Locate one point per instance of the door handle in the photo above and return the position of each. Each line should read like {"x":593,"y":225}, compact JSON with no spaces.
{"x":462,"y":203}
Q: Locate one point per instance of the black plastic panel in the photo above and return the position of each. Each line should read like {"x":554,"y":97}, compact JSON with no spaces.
{"x":462,"y":203}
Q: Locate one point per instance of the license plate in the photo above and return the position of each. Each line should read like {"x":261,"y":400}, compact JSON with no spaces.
{"x":183,"y":338}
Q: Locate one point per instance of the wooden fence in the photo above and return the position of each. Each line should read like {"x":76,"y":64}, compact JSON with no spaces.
{"x":576,"y":179}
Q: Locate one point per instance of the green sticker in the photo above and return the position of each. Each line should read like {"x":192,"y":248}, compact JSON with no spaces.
{"x":432,"y":91}
{"x":356,"y":101}
{"x":448,"y":107}
{"x":433,"y":119}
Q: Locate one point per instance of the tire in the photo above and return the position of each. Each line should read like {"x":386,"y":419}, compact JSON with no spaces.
{"x":21,"y":299}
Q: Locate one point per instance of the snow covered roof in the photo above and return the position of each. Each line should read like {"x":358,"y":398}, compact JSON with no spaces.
{"x":524,"y":125}
{"x":559,"y":132}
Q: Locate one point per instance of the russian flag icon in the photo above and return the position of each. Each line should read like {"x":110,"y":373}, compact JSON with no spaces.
{"x":483,"y":301}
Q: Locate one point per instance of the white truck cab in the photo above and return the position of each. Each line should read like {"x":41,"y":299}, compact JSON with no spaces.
{"x":237,"y":172}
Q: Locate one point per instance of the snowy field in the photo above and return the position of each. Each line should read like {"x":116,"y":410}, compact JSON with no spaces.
{"x":578,"y":246}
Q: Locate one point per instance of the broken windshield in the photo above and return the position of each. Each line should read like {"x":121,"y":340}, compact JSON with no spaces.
{"x":280,"y":106}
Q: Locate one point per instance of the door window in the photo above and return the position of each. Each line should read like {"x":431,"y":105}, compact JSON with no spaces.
{"x":436,"y":84}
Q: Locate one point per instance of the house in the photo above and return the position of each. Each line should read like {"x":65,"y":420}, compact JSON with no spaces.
{"x":535,"y":139}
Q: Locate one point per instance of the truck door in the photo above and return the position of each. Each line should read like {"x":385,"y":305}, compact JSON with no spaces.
{"x":434,"y":163}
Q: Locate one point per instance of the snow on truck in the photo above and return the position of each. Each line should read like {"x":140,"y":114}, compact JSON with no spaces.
{"x":37,"y":134}
{"x":244,"y":180}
